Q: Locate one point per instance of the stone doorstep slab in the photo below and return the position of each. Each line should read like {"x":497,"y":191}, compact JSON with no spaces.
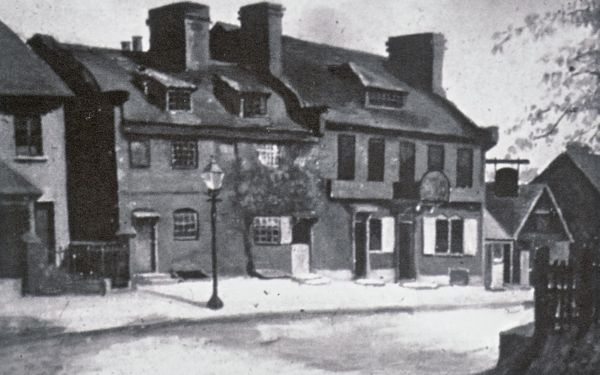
{"x":370,"y":282}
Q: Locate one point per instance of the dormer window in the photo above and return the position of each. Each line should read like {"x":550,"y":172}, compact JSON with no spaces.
{"x":253,"y":105}
{"x":165,"y":91}
{"x":379,"y":98}
{"x":179,"y":100}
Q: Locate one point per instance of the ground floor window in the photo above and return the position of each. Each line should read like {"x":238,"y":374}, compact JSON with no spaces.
{"x":454,"y":235}
{"x":271,"y":230}
{"x":185,"y":224}
{"x":381,"y":234}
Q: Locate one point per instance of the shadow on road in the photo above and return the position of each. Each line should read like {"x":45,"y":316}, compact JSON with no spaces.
{"x":176,"y":298}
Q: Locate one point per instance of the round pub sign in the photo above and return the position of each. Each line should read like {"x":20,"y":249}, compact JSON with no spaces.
{"x":435,"y":187}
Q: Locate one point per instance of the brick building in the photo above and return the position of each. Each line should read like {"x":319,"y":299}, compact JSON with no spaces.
{"x":33,"y":196}
{"x":374,"y":126}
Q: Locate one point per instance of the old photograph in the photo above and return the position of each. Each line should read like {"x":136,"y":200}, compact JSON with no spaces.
{"x":300,"y":187}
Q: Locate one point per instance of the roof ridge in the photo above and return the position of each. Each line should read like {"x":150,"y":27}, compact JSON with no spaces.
{"x":345,"y":49}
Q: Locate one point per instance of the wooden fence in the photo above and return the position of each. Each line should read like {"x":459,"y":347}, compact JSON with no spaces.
{"x":109,"y":260}
{"x":566,"y":295}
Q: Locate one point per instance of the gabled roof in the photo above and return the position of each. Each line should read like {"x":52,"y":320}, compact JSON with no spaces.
{"x":12,"y":183}
{"x":115,"y":70}
{"x":307,"y":71}
{"x":511,"y":213}
{"x":588,"y":163}
{"x":23,"y":73}
{"x":492,"y":229}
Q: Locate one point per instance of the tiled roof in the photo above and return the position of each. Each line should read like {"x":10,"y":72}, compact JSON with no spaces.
{"x":589,"y":164}
{"x":166,"y":80}
{"x":243,"y":82}
{"x":511,"y":212}
{"x":22,"y":72}
{"x":492,"y":229}
{"x":307,"y":70}
{"x":114,"y":70}
{"x":12,"y":183}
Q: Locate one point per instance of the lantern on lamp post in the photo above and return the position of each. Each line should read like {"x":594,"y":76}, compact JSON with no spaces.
{"x":213,"y":178}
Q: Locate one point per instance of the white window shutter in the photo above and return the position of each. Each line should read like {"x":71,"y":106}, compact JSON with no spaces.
{"x":429,"y":235}
{"x":286,"y":230}
{"x":470,"y":236}
{"x":388,"y":235}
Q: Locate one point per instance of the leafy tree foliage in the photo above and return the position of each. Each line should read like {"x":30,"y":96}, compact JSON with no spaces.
{"x":571,"y":78}
{"x":294,"y":186}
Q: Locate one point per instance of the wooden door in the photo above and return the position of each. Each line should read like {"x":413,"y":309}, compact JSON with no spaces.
{"x":507,"y":264}
{"x":406,"y":261}
{"x":44,"y":227}
{"x":144,"y":257}
{"x":13,"y":224}
{"x":360,"y":247}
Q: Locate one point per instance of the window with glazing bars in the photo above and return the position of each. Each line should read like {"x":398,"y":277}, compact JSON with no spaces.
{"x":184,"y":154}
{"x":268,"y":154}
{"x":385,"y":98}
{"x":255,"y":105}
{"x":28,"y":135}
{"x":179,"y":100}
{"x":266,"y":230}
{"x":185,"y":224}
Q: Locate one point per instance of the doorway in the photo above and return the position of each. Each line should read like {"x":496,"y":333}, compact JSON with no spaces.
{"x":144,"y":257}
{"x":406,"y":262}
{"x":301,"y":246}
{"x":360,"y":245}
{"x":507,"y":263}
{"x":44,"y":228}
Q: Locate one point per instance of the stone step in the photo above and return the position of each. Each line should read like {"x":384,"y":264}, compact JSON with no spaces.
{"x":154,"y":279}
{"x":311,"y":279}
{"x":370,"y":282}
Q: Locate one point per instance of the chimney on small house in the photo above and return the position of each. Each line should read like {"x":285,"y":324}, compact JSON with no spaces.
{"x":179,"y":36}
{"x":136,"y":42}
{"x":417,"y":59}
{"x":507,"y":183}
{"x":126,"y":46}
{"x":260,"y":37}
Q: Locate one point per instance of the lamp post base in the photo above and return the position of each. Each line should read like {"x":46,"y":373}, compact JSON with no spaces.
{"x":214,"y":303}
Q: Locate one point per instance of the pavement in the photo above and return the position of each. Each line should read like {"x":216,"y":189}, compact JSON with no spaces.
{"x":244,"y":299}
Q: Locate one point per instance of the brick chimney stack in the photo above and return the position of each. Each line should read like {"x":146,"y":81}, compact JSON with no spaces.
{"x":260,"y":37}
{"x":418,"y":59}
{"x":179,"y":36}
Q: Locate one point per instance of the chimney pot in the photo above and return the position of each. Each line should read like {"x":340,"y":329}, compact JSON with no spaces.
{"x":137,"y":43}
{"x":126,"y":46}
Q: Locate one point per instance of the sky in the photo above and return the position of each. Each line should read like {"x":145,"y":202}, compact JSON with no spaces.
{"x":490,"y":89}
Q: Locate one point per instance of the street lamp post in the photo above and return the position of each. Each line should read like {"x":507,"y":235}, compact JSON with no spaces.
{"x":213,"y":178}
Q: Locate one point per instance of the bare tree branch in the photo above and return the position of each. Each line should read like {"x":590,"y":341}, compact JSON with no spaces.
{"x":555,"y":125}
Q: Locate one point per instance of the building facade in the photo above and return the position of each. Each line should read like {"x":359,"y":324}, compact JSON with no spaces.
{"x":384,"y":123}
{"x":33,"y":196}
{"x":377,"y":130}
{"x":142,"y":128}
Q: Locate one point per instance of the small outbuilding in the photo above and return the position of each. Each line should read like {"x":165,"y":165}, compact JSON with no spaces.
{"x":516,"y":222}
